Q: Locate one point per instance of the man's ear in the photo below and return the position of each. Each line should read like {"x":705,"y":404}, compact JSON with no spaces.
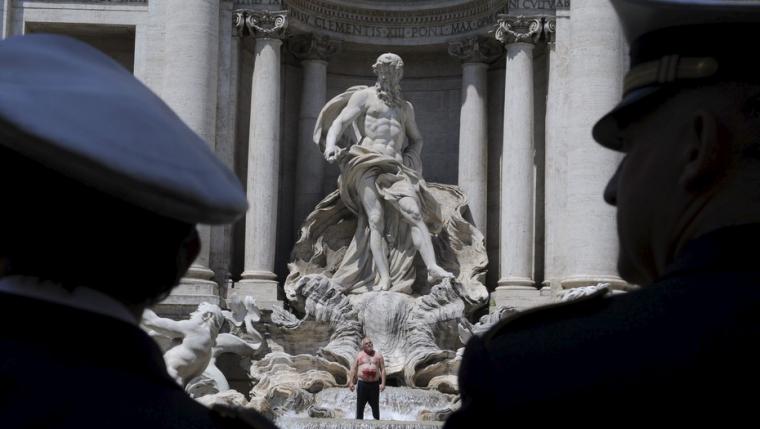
{"x":706,"y":151}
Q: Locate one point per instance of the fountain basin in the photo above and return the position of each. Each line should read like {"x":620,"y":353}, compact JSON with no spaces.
{"x":397,"y":405}
{"x":314,"y":423}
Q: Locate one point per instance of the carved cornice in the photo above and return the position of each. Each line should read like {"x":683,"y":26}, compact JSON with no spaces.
{"x":380,"y":24}
{"x":260,"y":23}
{"x":519,"y":29}
{"x":250,"y":4}
{"x":313,"y":47}
{"x":476,"y":49}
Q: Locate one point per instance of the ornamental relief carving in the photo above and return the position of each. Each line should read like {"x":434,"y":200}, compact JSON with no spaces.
{"x":519,"y":29}
{"x":260,"y":23}
{"x":380,"y":16}
{"x":550,"y":30}
{"x":476,"y":50}
{"x":313,"y":47}
{"x":382,"y":26}
{"x":379,"y":23}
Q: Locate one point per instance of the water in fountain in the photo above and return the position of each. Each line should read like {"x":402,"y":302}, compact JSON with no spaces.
{"x":404,"y":406}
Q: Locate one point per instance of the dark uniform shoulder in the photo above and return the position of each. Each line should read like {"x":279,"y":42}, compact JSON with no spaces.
{"x":225,"y":417}
{"x":575,"y":304}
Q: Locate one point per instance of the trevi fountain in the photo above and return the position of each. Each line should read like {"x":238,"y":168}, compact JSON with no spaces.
{"x":386,"y":256}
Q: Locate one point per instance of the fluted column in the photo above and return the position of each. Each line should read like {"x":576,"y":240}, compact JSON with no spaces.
{"x":313,"y":51}
{"x":258,"y":278}
{"x":516,"y":283}
{"x":190,"y":89}
{"x":595,"y":74}
{"x":473,"y":126}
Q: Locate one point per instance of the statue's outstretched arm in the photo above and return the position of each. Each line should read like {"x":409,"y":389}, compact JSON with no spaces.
{"x":413,"y":152}
{"x":357,"y":104}
{"x":166,"y":327}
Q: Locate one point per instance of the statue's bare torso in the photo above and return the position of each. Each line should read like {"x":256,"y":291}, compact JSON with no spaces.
{"x":384,"y":125}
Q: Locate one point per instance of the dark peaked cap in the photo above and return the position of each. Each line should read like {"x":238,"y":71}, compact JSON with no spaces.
{"x":680,"y":43}
{"x":71,"y":108}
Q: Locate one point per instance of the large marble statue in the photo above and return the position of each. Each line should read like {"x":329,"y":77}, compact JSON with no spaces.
{"x":386,"y":255}
{"x":381,"y":183}
{"x":197,"y":337}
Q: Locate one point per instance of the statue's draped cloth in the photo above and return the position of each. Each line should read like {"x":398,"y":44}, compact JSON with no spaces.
{"x":393,"y":180}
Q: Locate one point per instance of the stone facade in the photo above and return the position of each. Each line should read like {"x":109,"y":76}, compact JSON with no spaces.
{"x":502,"y":91}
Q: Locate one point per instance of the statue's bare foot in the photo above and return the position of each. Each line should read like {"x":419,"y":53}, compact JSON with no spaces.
{"x":436,"y":273}
{"x":385,"y":284}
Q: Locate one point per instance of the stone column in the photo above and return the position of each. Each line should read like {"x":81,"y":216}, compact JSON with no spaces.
{"x":258,"y":278}
{"x":596,"y":74}
{"x":226,"y":117}
{"x":5,"y":14}
{"x":557,"y":32}
{"x":473,"y":122}
{"x":516,"y":286}
{"x":313,"y":51}
{"x":190,"y":89}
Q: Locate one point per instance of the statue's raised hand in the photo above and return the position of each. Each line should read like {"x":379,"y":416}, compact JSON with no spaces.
{"x":332,"y":153}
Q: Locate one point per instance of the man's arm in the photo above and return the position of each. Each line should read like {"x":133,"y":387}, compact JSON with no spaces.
{"x":382,"y":373}
{"x":355,"y":107}
{"x":352,"y":374}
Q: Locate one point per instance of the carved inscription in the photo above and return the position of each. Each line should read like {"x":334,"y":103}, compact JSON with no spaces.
{"x":244,"y":3}
{"x":393,"y":32}
{"x":541,"y":5}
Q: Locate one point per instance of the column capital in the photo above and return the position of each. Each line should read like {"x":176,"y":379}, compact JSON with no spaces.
{"x":475,"y":50}
{"x":308,"y":46}
{"x":518,"y":29}
{"x":550,"y":30}
{"x":260,"y":23}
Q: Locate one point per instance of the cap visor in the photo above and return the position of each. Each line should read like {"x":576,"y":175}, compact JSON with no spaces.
{"x":607,"y":130}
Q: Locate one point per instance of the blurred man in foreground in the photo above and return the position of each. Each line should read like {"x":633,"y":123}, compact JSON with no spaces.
{"x":102,"y":187}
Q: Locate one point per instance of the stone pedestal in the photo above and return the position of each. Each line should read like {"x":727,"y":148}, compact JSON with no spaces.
{"x":520,"y":297}
{"x":185,"y":298}
{"x":262,"y":289}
